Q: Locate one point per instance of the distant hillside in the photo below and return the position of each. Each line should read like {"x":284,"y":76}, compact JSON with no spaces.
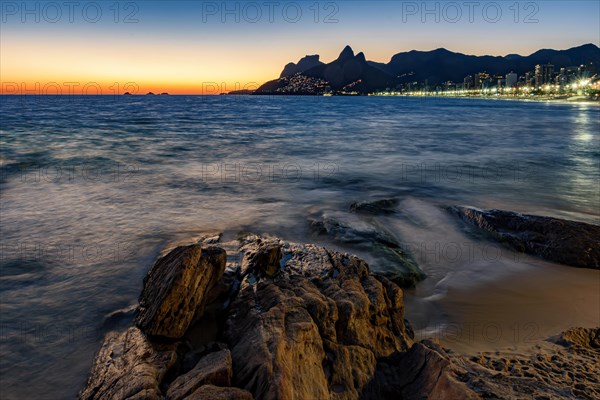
{"x":441,"y":65}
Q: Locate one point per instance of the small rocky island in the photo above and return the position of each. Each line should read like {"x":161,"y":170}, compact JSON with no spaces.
{"x":262,"y":318}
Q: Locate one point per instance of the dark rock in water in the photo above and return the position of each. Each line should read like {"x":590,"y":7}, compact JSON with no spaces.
{"x":214,"y":368}
{"x":379,"y":207}
{"x":129,"y":366}
{"x":317,"y":329}
{"x":210,"y":392}
{"x":566,"y":242}
{"x":176,"y":287}
{"x":389,"y":257}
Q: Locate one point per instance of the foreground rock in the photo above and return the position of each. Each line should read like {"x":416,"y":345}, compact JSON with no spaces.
{"x":129,"y":366}
{"x":304,"y":323}
{"x":317,"y":329}
{"x":294,"y":321}
{"x":566,"y":242}
{"x":148,"y":361}
{"x":175,"y":290}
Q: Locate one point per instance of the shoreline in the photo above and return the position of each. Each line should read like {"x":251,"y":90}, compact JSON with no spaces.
{"x":550,"y":100}
{"x":572,"y":100}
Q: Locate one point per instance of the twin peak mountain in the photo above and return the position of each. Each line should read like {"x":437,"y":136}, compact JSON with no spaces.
{"x":348,"y":73}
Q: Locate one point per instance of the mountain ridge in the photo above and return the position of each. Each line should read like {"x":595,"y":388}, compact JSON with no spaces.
{"x":352,"y":72}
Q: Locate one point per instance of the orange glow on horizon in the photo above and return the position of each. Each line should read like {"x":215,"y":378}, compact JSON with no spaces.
{"x":78,"y":67}
{"x":72,"y":87}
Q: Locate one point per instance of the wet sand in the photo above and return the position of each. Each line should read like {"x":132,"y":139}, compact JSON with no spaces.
{"x":480,"y":296}
{"x":515,"y":312}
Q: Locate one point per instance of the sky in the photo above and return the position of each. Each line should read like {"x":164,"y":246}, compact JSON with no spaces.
{"x":204,"y":47}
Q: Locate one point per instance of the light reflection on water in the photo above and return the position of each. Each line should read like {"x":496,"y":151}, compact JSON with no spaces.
{"x":92,"y":188}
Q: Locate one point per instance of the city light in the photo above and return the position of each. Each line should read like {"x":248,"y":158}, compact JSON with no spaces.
{"x":543,"y":83}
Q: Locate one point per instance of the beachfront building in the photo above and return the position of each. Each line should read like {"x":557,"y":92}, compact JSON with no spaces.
{"x":544,"y":74}
{"x":511,"y":79}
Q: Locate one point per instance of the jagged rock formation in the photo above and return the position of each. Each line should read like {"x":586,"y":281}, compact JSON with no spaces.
{"x":317,"y":329}
{"x":566,"y":242}
{"x":305,"y":322}
{"x":293,"y":321}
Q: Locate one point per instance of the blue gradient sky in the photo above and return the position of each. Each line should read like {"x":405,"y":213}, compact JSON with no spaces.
{"x":178,"y":45}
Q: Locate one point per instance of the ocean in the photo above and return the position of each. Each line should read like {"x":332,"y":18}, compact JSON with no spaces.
{"x":93,"y":187}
